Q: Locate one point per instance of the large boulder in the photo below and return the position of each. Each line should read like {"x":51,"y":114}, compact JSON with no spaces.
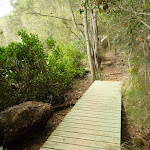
{"x":20,"y":119}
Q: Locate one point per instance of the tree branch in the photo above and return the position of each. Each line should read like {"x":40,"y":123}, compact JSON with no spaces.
{"x":74,"y":33}
{"x":143,"y":22}
{"x":136,"y":15}
{"x":142,"y":13}
{"x":74,"y":21}
{"x":44,"y":15}
{"x":135,"y":12}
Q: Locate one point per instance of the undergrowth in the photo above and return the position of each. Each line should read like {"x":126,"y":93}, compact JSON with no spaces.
{"x":137,"y":102}
{"x":31,"y":72}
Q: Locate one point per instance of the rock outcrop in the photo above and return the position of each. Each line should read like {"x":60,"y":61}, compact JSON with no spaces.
{"x":19,"y":120}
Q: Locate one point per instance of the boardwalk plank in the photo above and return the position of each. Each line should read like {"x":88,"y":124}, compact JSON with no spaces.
{"x":93,"y":114}
{"x":95,"y":120}
{"x":105,"y":139}
{"x":98,"y":119}
{"x":107,"y":123}
{"x":100,"y":112}
{"x":96,"y":110}
{"x":88,"y":131}
{"x":94,"y":123}
{"x":87,"y":143}
{"x":90,"y":127}
{"x":64,"y":146}
{"x":94,"y":117}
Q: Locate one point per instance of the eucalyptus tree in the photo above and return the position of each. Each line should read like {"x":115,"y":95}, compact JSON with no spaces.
{"x":90,"y":34}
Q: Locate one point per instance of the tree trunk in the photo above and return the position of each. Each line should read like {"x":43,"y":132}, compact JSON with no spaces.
{"x":92,"y":45}
{"x":94,"y":35}
{"x":91,"y":63}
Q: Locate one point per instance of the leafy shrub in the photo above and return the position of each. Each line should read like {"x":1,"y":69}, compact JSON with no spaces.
{"x":2,"y":148}
{"x":25,"y":67}
{"x":64,"y":63}
{"x":138,"y":95}
{"x":28,"y":73}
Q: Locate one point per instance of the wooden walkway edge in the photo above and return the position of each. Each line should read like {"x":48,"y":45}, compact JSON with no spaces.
{"x":94,"y":123}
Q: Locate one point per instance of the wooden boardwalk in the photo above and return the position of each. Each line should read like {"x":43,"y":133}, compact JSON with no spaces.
{"x":94,"y":123}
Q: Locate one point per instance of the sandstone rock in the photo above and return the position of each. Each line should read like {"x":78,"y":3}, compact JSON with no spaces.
{"x":20,"y":119}
{"x":108,"y":63}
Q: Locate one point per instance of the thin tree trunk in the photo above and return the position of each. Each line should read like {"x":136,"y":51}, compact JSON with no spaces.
{"x":88,"y":44}
{"x":94,"y":28}
{"x":95,"y":34}
{"x":74,"y":21}
{"x":91,"y":51}
{"x":91,"y":27}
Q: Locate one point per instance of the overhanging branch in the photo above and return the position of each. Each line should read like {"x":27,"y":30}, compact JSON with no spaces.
{"x":142,"y":13}
{"x":143,"y":22}
{"x":136,"y":15}
{"x":44,"y":15}
{"x":74,"y":21}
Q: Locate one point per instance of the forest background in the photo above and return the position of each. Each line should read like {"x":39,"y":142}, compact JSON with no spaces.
{"x":59,"y":36}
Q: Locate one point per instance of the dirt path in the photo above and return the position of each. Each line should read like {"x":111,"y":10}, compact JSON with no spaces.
{"x":113,"y":68}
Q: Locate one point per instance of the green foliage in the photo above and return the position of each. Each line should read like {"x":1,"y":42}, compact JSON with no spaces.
{"x":65,"y":62}
{"x":137,"y":102}
{"x":135,"y":41}
{"x":50,"y":42}
{"x":28,"y":73}
{"x":1,"y":148}
{"x":25,"y":67}
{"x":126,"y":30}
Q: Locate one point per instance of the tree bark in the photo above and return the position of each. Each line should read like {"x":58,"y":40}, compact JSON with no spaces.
{"x":91,"y":38}
{"x":91,"y":63}
{"x":94,"y":35}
